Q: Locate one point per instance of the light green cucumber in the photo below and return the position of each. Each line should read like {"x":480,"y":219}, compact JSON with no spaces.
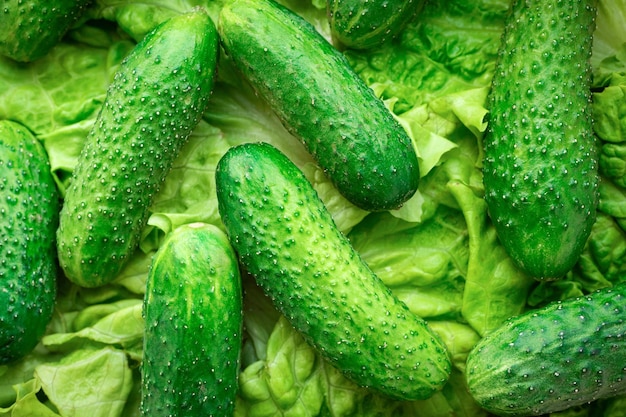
{"x":29,"y":207}
{"x":286,"y":238}
{"x":364,"y":24}
{"x":193,"y":315}
{"x":560,"y":356}
{"x":155,"y":100}
{"x":30,"y":29}
{"x":540,"y":166}
{"x":317,"y":96}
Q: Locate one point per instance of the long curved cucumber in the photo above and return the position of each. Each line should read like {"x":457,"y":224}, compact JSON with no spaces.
{"x":29,"y":209}
{"x":309,"y":84}
{"x":286,"y":238}
{"x":193,"y":315}
{"x":560,"y":356}
{"x":155,"y":100}
{"x":540,"y":166}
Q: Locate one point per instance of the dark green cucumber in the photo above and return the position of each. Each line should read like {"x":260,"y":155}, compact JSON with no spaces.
{"x":193,"y":315}
{"x":155,"y":100}
{"x":308,"y":83}
{"x":286,"y":238}
{"x":29,"y":29}
{"x":565,"y":354}
{"x":29,"y":208}
{"x":363,"y":24}
{"x":540,"y":168}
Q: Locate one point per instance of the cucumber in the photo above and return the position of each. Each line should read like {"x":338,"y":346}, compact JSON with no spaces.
{"x":364,"y":24}
{"x":286,"y":238}
{"x":540,"y":158}
{"x":155,"y":100}
{"x":30,"y":29}
{"x":565,"y":354}
{"x":317,"y":96}
{"x":193,"y":315}
{"x":29,"y":207}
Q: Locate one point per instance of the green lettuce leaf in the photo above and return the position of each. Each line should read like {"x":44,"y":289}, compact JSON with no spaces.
{"x":609,"y":38}
{"x":423,"y":263}
{"x":59,"y":96}
{"x":27,"y":403}
{"x":87,"y":382}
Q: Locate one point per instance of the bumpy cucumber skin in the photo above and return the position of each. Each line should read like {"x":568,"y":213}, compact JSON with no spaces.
{"x":155,"y":100}
{"x":29,"y":29}
{"x":309,"y":84}
{"x":562,"y":355}
{"x":364,"y":24}
{"x":285,"y":237}
{"x":193,"y":315}
{"x":540,"y":168}
{"x":29,"y":210}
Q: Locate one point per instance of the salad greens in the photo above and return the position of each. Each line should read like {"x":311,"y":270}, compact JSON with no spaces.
{"x":439,"y":253}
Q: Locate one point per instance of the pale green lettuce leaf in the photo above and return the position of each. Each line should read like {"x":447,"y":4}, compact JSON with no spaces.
{"x":286,"y":382}
{"x":13,"y":376}
{"x":88,"y":382}
{"x":609,"y":37}
{"x":138,"y":17}
{"x":450,"y":48}
{"x":119,"y":324}
{"x":27,"y":403}
{"x":609,"y":109}
{"x":424,"y":264}
{"x":495,"y":289}
{"x":459,"y":339}
{"x":59,"y":96}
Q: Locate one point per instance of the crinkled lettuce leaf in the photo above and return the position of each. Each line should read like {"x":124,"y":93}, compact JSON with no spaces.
{"x":59,"y":96}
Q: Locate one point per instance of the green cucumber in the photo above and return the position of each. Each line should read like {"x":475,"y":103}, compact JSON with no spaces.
{"x":155,"y":100}
{"x":319,"y":98}
{"x":364,"y":24}
{"x":30,"y":29}
{"x":565,"y":354}
{"x":29,"y":207}
{"x":286,"y":238}
{"x":540,"y":166}
{"x":193,"y":315}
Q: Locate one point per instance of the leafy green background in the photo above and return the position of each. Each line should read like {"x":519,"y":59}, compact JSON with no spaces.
{"x":439,"y":253}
